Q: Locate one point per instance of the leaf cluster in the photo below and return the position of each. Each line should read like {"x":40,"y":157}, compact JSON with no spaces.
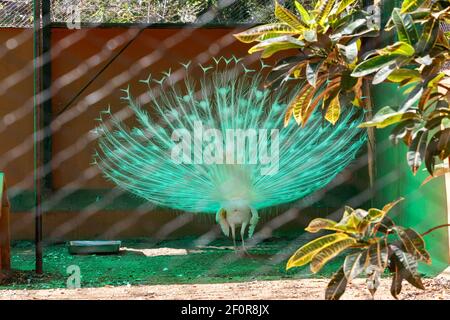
{"x":422,"y":120}
{"x":327,"y":44}
{"x":375,"y":244}
{"x":332,"y":63}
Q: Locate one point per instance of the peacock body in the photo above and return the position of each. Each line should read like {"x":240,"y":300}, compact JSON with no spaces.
{"x":218,"y":144}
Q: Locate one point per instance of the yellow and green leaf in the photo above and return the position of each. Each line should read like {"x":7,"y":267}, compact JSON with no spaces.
{"x":434,"y":82}
{"x":401,"y":75}
{"x":406,"y":30}
{"x":277,"y":47}
{"x":298,"y":103}
{"x":387,"y":116}
{"x":334,"y":111}
{"x":392,"y":204}
{"x":277,"y":44}
{"x":344,"y":4}
{"x":375,"y":215}
{"x":320,"y":224}
{"x":306,"y":17}
{"x":305,"y":254}
{"x":329,"y":252}
{"x":386,"y":57}
{"x":350,"y":221}
{"x":411,"y":5}
{"x":288,"y":17}
{"x":257,"y":33}
{"x":323,"y":10}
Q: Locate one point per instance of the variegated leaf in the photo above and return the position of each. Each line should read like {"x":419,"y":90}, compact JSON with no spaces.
{"x":336,"y":286}
{"x":334,"y":111}
{"x":258,"y":32}
{"x":288,"y":17}
{"x":306,"y":253}
{"x":354,"y":264}
{"x":330,"y":251}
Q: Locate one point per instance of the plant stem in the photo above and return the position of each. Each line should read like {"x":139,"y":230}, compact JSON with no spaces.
{"x":371,"y":152}
{"x":435,"y":228}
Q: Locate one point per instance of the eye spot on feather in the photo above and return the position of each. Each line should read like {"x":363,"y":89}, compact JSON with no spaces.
{"x":259,"y":94}
{"x":243,"y":102}
{"x":203,"y":104}
{"x":222,"y":91}
{"x":276,"y":107}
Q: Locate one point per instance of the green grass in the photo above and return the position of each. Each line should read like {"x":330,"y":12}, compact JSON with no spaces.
{"x":213,"y":264}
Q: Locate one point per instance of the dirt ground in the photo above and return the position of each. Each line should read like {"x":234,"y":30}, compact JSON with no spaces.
{"x":302,"y":289}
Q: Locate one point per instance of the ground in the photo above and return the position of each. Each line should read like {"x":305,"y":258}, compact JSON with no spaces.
{"x":300,"y":289}
{"x":182,"y":269}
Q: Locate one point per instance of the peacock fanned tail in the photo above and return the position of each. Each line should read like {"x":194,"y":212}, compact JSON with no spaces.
{"x":229,"y":97}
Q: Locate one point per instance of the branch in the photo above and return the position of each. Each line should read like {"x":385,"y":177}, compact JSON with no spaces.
{"x":435,"y":228}
{"x":443,"y":86}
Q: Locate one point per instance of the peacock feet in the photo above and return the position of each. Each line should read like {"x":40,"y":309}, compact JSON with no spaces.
{"x":242,"y":252}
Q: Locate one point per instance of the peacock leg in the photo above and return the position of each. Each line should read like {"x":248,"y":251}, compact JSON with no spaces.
{"x":243,"y":227}
{"x":233,"y":235}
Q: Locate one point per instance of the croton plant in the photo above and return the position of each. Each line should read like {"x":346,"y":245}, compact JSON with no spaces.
{"x":339,"y":52}
{"x":375,"y":244}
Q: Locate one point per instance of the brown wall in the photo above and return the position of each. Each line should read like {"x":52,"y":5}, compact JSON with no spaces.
{"x":157,"y":224}
{"x":16,"y":106}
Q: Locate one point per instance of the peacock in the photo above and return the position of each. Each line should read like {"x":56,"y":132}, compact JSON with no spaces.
{"x":218,"y":144}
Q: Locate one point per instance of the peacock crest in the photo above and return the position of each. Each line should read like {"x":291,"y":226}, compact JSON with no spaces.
{"x":218,"y":141}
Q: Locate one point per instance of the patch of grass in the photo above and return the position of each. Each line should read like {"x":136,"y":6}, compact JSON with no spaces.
{"x":212,"y":264}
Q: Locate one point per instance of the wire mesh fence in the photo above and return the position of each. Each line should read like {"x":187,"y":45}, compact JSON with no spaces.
{"x":18,"y":13}
{"x":89,"y":69}
{"x":446,"y":28}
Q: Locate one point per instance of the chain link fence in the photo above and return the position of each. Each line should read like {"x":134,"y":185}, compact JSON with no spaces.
{"x":88,"y":70}
{"x":446,"y":28}
{"x":18,"y":13}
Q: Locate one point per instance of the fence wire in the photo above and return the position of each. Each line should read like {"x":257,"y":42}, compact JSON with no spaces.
{"x":154,"y":51}
{"x":446,"y":28}
{"x":18,"y":13}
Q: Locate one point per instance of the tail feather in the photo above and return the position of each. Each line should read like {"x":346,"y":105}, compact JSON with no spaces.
{"x":140,"y":159}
